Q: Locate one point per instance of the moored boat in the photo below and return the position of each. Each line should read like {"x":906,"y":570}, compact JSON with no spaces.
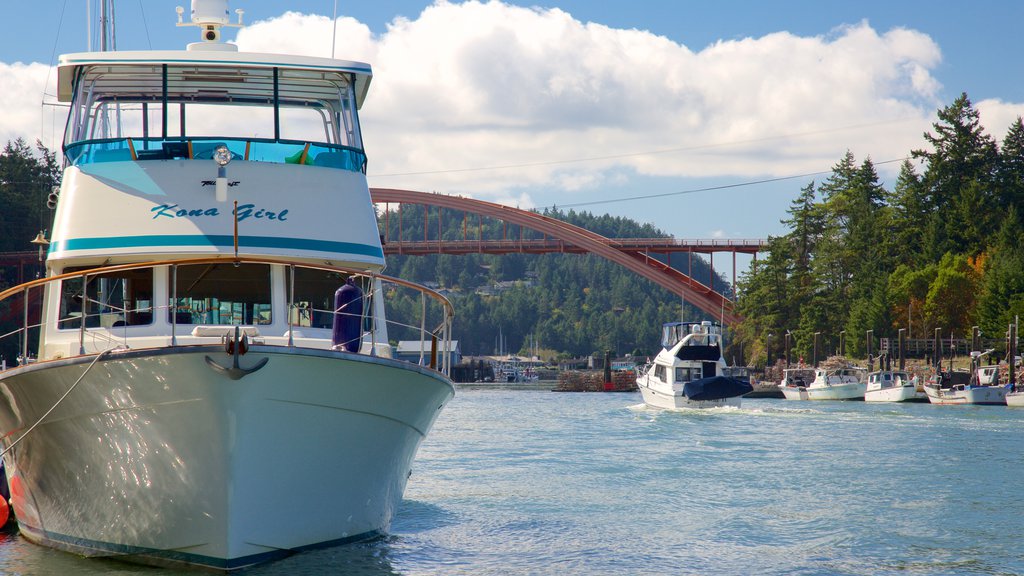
{"x":690,"y":371}
{"x":959,"y":388}
{"x":846,"y":383}
{"x":891,"y":386}
{"x":794,"y":383}
{"x":1014,"y":393}
{"x":1015,"y":397}
{"x":213,"y":383}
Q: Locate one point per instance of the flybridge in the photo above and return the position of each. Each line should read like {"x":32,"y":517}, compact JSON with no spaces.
{"x":268,"y":108}
{"x":187,"y":103}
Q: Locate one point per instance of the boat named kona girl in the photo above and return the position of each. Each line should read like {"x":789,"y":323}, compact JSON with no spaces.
{"x":690,"y":371}
{"x":213,"y":383}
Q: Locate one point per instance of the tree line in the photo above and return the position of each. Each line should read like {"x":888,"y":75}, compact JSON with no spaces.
{"x":939,"y":250}
{"x":566,"y":305}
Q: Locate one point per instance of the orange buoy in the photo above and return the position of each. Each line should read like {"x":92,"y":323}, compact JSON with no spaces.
{"x":5,"y":512}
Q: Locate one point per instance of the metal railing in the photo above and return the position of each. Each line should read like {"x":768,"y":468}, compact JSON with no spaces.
{"x":438,"y":334}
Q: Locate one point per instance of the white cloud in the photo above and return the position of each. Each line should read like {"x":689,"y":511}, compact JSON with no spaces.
{"x":21,"y":103}
{"x":542,"y":99}
{"x":997,"y":116}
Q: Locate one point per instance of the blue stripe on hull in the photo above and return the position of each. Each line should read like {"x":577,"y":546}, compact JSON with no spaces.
{"x":215,"y":240}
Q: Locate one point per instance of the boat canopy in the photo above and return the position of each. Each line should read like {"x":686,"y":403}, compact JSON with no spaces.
{"x":238,"y":68}
{"x":673,"y":332}
{"x":187,"y":103}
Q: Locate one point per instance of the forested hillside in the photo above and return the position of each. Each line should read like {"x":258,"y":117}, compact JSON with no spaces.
{"x":941,"y":249}
{"x":567,"y":303}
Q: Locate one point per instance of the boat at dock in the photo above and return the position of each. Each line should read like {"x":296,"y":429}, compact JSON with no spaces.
{"x":212,"y":383}
{"x":959,"y":387}
{"x":846,"y":383}
{"x":794,"y":383}
{"x":690,"y":371}
{"x":1014,"y":390}
{"x":892,"y":386}
{"x":1015,"y":397}
{"x":979,"y":386}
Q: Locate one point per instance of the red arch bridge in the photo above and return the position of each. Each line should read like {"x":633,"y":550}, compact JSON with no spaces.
{"x":558,"y":236}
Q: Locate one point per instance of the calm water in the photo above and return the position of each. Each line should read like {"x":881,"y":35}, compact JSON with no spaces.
{"x":536,"y":482}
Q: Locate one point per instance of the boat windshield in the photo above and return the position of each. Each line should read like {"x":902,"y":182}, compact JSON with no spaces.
{"x":266,"y":114}
{"x":221,"y":294}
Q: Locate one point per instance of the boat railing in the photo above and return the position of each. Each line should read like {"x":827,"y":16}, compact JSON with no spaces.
{"x":22,"y":306}
{"x":202,"y":148}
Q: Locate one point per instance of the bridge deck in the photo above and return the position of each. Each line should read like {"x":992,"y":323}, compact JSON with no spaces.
{"x":550,"y":245}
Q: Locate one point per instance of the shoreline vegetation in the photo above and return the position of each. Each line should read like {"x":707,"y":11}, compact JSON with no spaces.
{"x":935,"y":252}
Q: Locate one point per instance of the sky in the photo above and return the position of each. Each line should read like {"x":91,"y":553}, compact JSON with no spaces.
{"x":704,"y":119}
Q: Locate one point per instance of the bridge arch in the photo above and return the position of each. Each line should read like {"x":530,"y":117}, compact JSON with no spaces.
{"x":638,"y":261}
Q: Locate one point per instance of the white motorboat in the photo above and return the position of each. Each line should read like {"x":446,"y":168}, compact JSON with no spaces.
{"x":1015,"y":397}
{"x":847,"y":383}
{"x":690,"y":371}
{"x":958,"y":387}
{"x":794,"y":383}
{"x":213,"y":384}
{"x":891,"y":386}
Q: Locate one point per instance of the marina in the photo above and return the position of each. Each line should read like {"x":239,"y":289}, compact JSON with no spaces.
{"x":224,"y":351}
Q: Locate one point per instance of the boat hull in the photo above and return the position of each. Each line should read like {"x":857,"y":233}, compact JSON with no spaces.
{"x":1015,"y":399}
{"x":846,"y":391}
{"x":671,"y":401}
{"x":794,"y":392}
{"x":158,"y":457}
{"x":891,"y":394}
{"x":982,"y":395}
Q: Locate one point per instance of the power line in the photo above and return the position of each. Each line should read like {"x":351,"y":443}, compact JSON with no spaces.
{"x":708,"y":188}
{"x":644,"y":153}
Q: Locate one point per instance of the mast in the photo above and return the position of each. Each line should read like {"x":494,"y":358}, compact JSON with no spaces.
{"x":108,"y":42}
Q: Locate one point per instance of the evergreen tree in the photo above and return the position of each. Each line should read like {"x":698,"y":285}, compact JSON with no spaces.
{"x":908,"y":202}
{"x":26,"y":178}
{"x":959,"y":180}
{"x":1003,"y":283}
{"x":1010,"y":171}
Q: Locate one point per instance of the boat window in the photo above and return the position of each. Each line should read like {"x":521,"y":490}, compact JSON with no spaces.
{"x":687,"y":374}
{"x":221,"y":294}
{"x":111,"y":299}
{"x":659,"y":372}
{"x":314,"y":296}
{"x":153,"y":112}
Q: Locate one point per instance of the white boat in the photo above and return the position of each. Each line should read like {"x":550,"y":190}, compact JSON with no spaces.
{"x":208,"y":389}
{"x":690,"y":371}
{"x":1015,"y":397}
{"x":959,"y":388}
{"x":794,"y":383}
{"x":847,"y":383}
{"x":891,"y":386}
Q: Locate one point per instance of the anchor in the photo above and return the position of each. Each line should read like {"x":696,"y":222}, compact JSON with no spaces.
{"x":235,"y":347}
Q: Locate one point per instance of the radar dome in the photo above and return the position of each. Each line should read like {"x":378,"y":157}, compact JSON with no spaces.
{"x":210,"y":12}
